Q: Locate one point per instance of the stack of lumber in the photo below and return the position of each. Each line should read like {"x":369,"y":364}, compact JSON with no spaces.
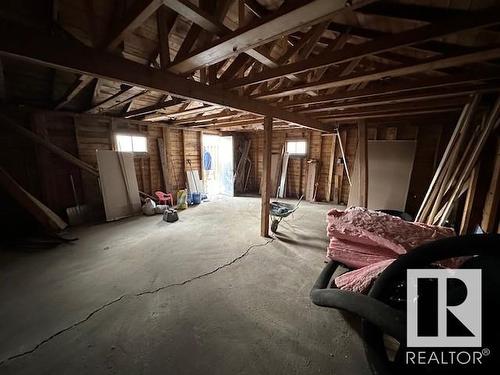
{"x":242,"y":169}
{"x":459,"y":162}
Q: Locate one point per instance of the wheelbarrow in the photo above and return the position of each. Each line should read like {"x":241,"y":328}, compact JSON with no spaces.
{"x":383,"y":310}
{"x":279,"y":210}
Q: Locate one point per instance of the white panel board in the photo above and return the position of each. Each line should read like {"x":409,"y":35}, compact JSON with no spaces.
{"x":390,"y":164}
{"x":118,"y":181}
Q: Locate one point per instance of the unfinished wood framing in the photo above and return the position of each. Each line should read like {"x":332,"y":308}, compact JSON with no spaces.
{"x":180,"y":68}
{"x":489,"y":222}
{"x":265,"y":187}
{"x":331,"y":166}
{"x":363,"y":164}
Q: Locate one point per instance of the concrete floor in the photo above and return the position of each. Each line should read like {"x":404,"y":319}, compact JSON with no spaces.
{"x":205,"y":295}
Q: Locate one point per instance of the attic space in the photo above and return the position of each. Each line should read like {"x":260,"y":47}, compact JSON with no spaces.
{"x":249,"y":187}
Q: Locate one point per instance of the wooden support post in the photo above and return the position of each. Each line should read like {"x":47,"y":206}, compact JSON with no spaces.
{"x":363,"y":164}
{"x":331,"y":167}
{"x":265,"y":185}
{"x":165,"y":160}
{"x":200,"y":134}
{"x":184,"y":160}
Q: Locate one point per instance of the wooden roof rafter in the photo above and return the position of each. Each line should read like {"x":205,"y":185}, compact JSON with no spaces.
{"x":436,"y":63}
{"x":390,"y":42}
{"x":246,"y":39}
{"x":57,"y":53}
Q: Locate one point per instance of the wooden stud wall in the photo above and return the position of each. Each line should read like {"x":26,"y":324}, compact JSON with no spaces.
{"x":82,"y":135}
{"x":192,"y":148}
{"x":428,"y":148}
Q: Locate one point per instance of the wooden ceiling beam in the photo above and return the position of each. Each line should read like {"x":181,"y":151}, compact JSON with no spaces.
{"x":203,"y":20}
{"x":308,"y":39}
{"x":165,"y":19}
{"x":30,"y":45}
{"x":219,"y":121}
{"x":431,"y":64}
{"x":396,"y":88}
{"x":216,"y":116}
{"x":455,"y":102}
{"x":284,"y":21}
{"x":136,"y":15}
{"x":236,"y":67}
{"x":255,"y":7}
{"x":77,"y":87}
{"x":389,"y":42}
{"x":183,"y":112}
{"x":394,"y":99}
{"x":121,"y":97}
{"x":391,"y":115}
{"x":412,"y":11}
{"x":153,"y":108}
{"x":429,"y":46}
{"x":197,"y":15}
{"x":188,"y":43}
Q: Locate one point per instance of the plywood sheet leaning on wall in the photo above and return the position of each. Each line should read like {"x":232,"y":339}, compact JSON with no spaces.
{"x":390,"y":166}
{"x":118,"y":184}
{"x":311,"y":182}
{"x":275,"y":173}
{"x":283,"y":174}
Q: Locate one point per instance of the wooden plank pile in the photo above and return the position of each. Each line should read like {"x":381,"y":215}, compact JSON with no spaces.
{"x":243,"y":169}
{"x":457,"y":171}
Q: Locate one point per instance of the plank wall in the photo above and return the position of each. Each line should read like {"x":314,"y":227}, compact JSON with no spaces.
{"x":48,"y":177}
{"x":429,"y":147}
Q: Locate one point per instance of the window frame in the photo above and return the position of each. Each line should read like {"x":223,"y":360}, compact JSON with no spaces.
{"x":131,"y":134}
{"x":295,"y":155}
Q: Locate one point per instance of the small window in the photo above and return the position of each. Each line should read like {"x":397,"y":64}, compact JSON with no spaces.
{"x":297,"y":148}
{"x":131,"y":143}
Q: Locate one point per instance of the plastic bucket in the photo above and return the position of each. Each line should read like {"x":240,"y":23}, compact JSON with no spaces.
{"x":196,"y":197}
{"x":181,"y":199}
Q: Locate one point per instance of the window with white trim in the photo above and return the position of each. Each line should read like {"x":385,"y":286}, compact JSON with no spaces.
{"x":131,"y":143}
{"x":296,"y":147}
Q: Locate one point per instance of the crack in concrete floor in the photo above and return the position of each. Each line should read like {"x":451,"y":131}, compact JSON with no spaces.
{"x":136,"y":295}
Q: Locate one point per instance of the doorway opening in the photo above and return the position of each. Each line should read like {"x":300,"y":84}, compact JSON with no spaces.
{"x":218,"y":164}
